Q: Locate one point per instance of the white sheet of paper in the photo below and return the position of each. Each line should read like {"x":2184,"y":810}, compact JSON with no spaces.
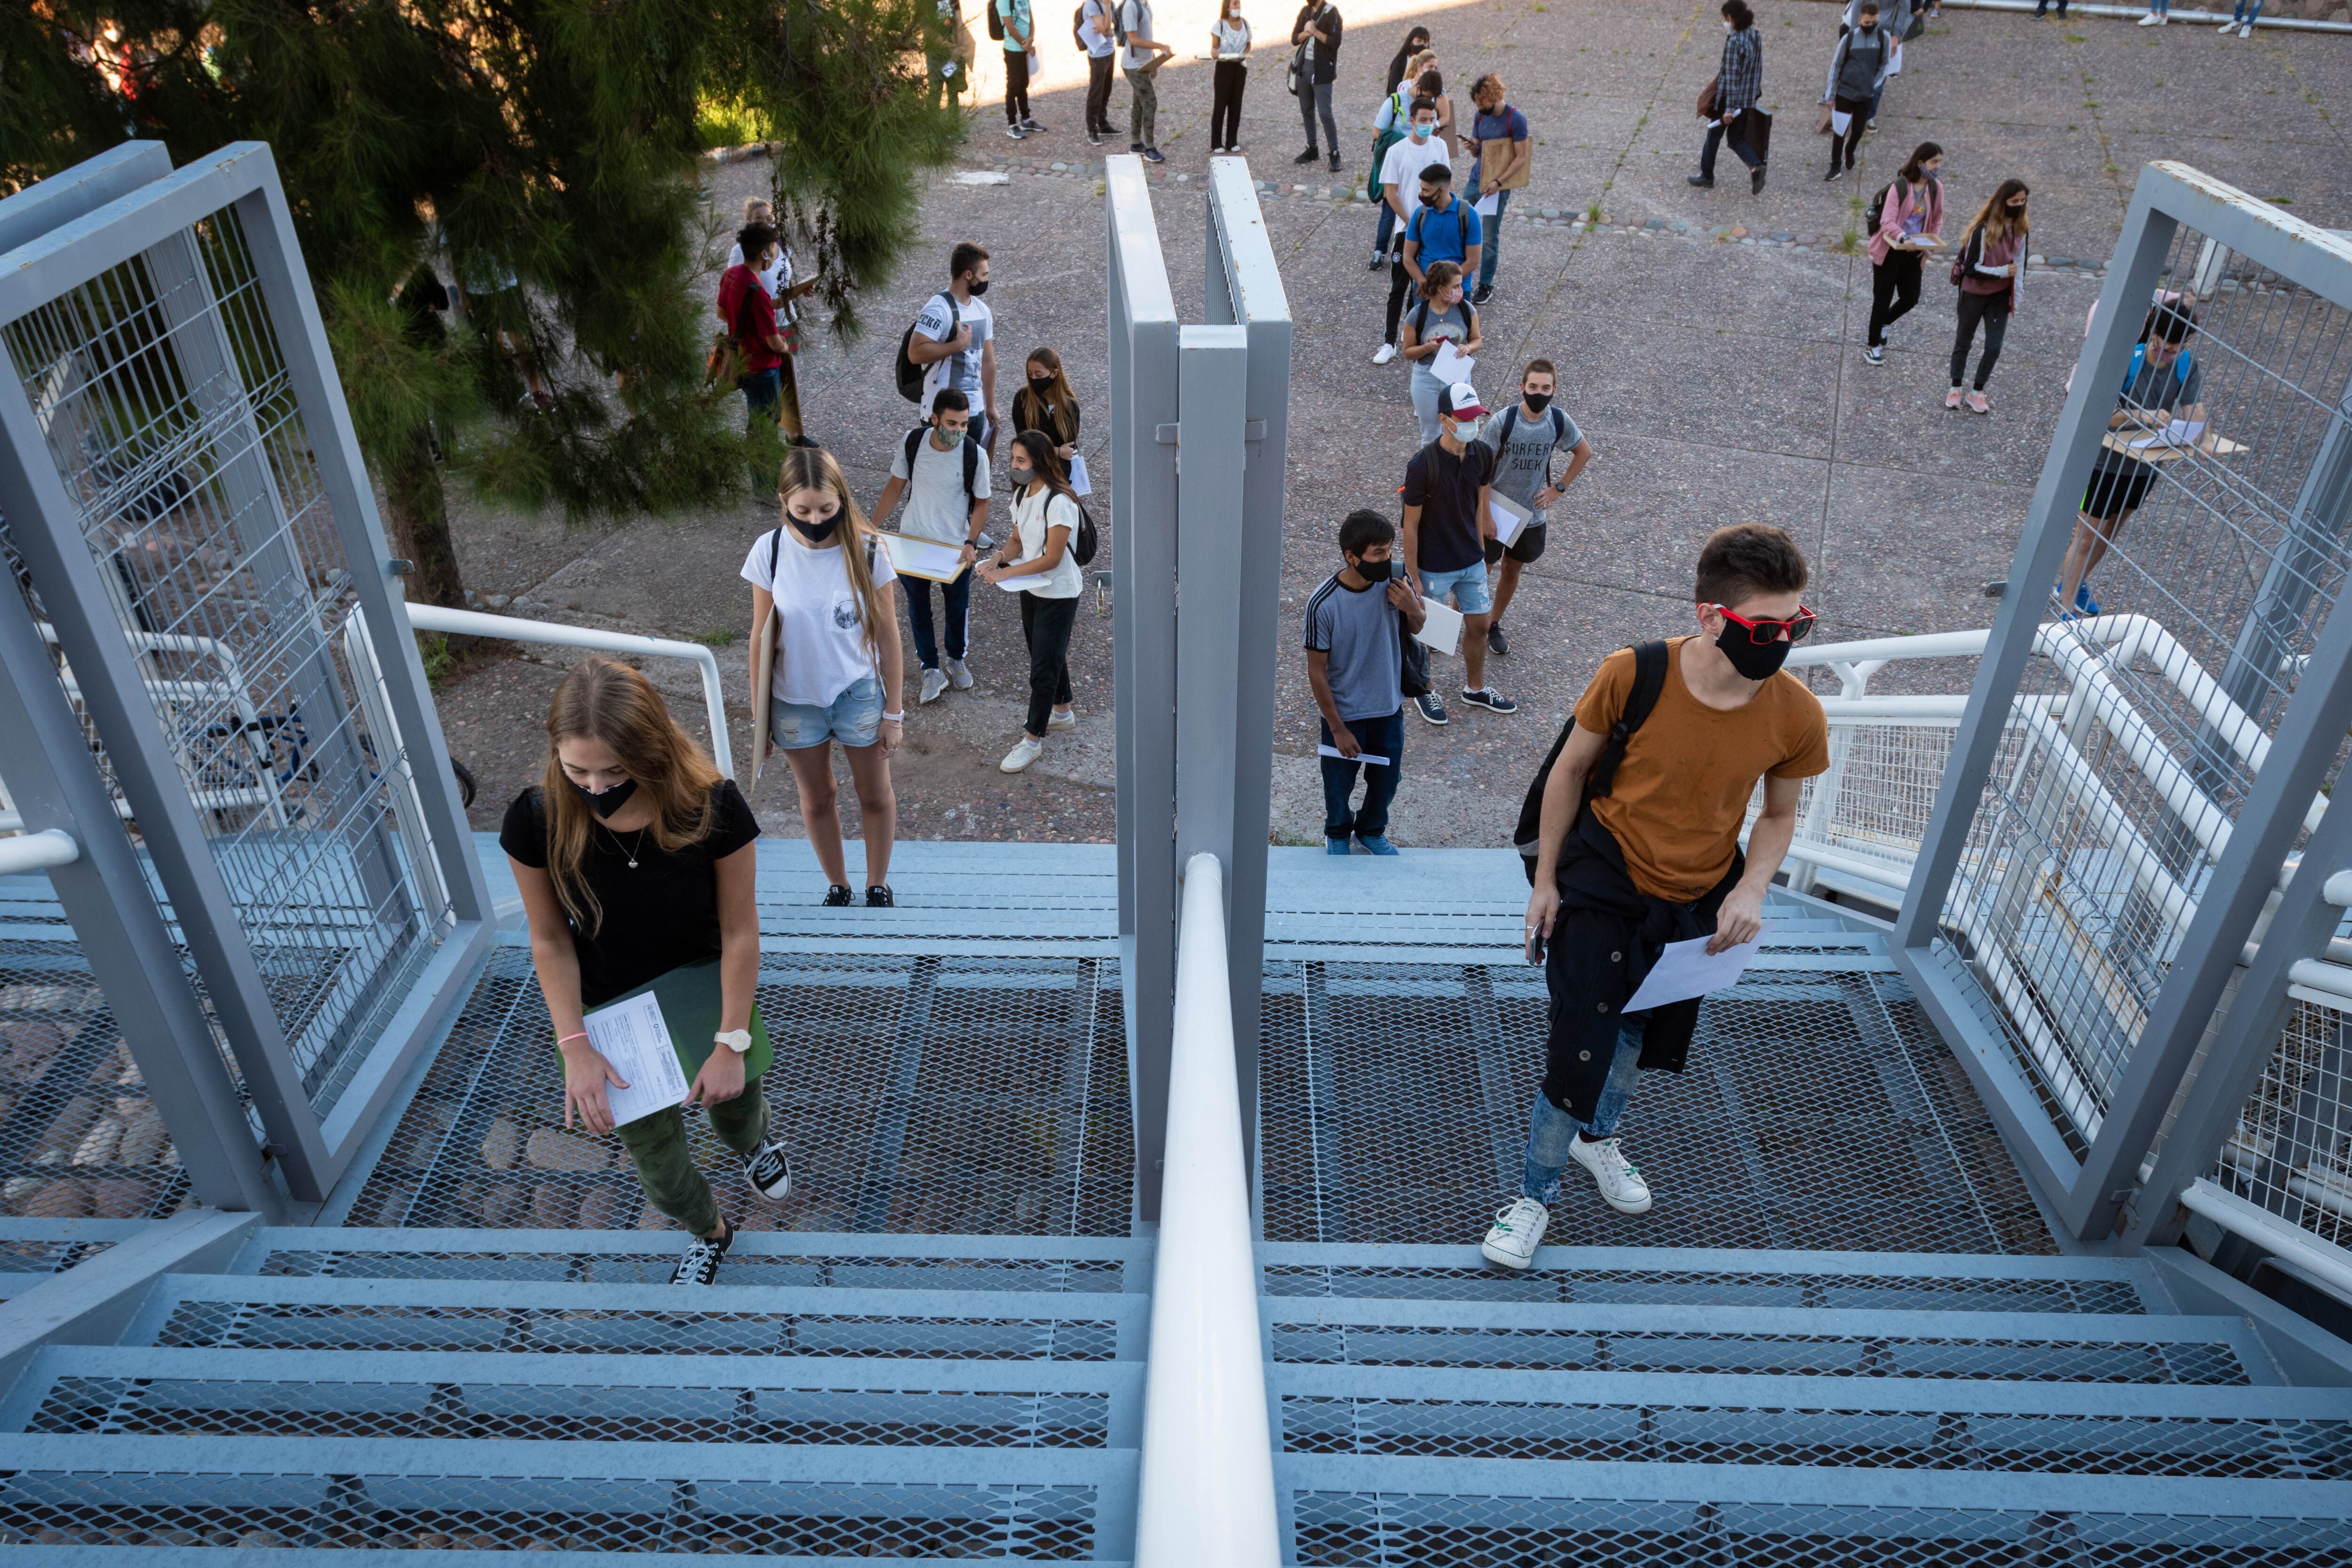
{"x":633,"y":1037}
{"x":913,"y":556}
{"x":1078,"y":474}
{"x":1511,"y":517}
{"x":1839,"y":122}
{"x":1441,"y":632}
{"x":2179,"y":433}
{"x":1450,"y":365}
{"x":1685,"y":970}
{"x":1359,"y":757}
{"x":1487,"y":204}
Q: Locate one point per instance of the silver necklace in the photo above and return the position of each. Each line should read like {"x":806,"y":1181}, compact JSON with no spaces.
{"x":631,"y":853}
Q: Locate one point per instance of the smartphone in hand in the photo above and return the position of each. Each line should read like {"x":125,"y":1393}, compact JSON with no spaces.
{"x":1535,"y":947}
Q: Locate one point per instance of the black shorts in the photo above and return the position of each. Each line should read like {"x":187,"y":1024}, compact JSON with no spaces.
{"x":2115,"y":491}
{"x":1530,"y":544}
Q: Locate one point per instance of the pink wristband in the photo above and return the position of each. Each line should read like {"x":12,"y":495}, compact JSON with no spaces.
{"x":581,"y":1036}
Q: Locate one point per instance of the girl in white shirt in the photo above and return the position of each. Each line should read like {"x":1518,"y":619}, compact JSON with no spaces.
{"x":1045,"y":570}
{"x":839,"y":671}
{"x":1229,"y":46}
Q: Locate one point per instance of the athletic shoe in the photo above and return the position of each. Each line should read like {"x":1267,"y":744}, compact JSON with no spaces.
{"x":1376,"y":844}
{"x":1030,"y":125}
{"x":1832,"y":174}
{"x":1307,"y":157}
{"x":1336,"y":846}
{"x":1869,"y":356}
{"x":1497,"y":643}
{"x":836,"y":897}
{"x":1516,"y":1233}
{"x":1379,"y":260}
{"x":1136,"y":148}
{"x":1025,"y":751}
{"x":1756,"y":181}
{"x":1058,"y":720}
{"x":2151,"y":20}
{"x":879,"y":897}
{"x":768,"y":1172}
{"x":934,"y":682}
{"x":1430,"y":707}
{"x":1016,"y":133}
{"x":1952,"y":399}
{"x":1701,"y":181}
{"x":1335,"y":163}
{"x":700,"y":1264}
{"x":1482,"y":295}
{"x":1492,"y":702}
{"x":1976,"y":403}
{"x":1153,"y":155}
{"x":958,"y":675}
{"x":2083,"y":600}
{"x":1385,"y":353}
{"x":1621,"y":1185}
{"x":1094,"y":138}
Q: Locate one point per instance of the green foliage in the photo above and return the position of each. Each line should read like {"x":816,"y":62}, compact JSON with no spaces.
{"x":730,"y":124}
{"x":717,"y":636}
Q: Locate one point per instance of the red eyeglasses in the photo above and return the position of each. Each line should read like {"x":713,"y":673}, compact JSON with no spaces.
{"x":1764,"y":633}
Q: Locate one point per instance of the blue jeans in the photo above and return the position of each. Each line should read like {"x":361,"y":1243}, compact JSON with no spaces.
{"x":1381,"y":738}
{"x":1494,"y":231}
{"x":958,"y":596}
{"x":1551,"y":1129}
{"x":1714,"y":141}
{"x":1467,"y":584}
{"x":762,"y":390}
{"x":854,"y":718}
{"x":2249,"y":16}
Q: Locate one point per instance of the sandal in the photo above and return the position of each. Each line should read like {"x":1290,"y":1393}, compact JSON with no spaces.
{"x":1977,"y":404}
{"x":1952,"y":398}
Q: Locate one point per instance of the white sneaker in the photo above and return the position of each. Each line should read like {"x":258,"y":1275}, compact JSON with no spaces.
{"x":1517,"y":1231}
{"x":934,"y":682}
{"x":1621,"y":1185}
{"x":958,"y":675}
{"x":1025,"y":751}
{"x":1061,"y":720}
{"x":2151,"y":20}
{"x":1384,"y":353}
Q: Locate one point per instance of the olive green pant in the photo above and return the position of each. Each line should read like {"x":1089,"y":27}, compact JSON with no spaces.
{"x":664,"y":1155}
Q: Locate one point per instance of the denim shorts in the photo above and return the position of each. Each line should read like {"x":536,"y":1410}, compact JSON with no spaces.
{"x":1468,"y":587}
{"x":853,"y":719}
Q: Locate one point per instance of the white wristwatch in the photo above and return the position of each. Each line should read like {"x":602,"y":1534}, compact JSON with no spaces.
{"x":735,"y":1040}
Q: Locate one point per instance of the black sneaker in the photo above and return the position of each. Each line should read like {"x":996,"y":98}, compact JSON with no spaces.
{"x":1430,"y":707}
{"x":878,"y":896}
{"x":1094,"y":138}
{"x":1701,"y":181}
{"x":700,"y":1264}
{"x":1497,"y":643}
{"x":1335,"y":163}
{"x":1492,"y":702}
{"x":836,"y":897}
{"x":1482,"y":295}
{"x":1832,"y":174}
{"x":1135,"y":147}
{"x":768,"y":1172}
{"x":1307,"y":157}
{"x":1379,"y":260}
{"x":1153,"y":155}
{"x":1030,"y":125}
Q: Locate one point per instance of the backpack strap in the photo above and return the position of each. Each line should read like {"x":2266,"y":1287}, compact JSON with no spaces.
{"x":914,"y":445}
{"x":1649,"y":679}
{"x":970,"y":467}
{"x":1511,"y":423}
{"x":1462,"y":223}
{"x":774,"y":540}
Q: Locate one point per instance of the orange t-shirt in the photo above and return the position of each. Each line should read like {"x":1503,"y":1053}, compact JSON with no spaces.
{"x":1689,"y":771}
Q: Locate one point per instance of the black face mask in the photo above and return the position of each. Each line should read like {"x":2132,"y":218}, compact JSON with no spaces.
{"x":1375,"y":571}
{"x":1537,"y":402}
{"x":1430,"y":200}
{"x":1043,"y":385}
{"x":612,"y":800}
{"x":979,"y":287}
{"x":815,"y":533}
{"x":1752,"y":662}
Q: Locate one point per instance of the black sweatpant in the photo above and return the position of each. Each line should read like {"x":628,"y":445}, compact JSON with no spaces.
{"x":1016,"y":86}
{"x":1894,"y":289}
{"x":1993,"y":310}
{"x":1844,"y":147}
{"x":1045,"y":626}
{"x":1401,"y":285}
{"x":1226,"y":112}
{"x":1099,"y":69}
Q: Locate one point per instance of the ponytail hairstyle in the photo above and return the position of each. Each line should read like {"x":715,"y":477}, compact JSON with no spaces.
{"x":1438,"y":275}
{"x":814,"y":469}
{"x":1045,"y":462}
{"x":1058,"y":398}
{"x":602,"y":700}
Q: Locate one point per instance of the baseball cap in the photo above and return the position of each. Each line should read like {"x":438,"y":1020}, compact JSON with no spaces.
{"x":1459,"y":401}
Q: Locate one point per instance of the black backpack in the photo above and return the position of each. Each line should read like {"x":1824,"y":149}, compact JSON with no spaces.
{"x":970,"y":459}
{"x":1649,"y":679}
{"x":911,"y":376}
{"x":995,"y":23}
{"x":1078,"y":26}
{"x":1876,"y":213}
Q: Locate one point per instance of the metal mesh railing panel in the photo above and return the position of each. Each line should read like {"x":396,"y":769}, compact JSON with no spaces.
{"x":78,"y":1134}
{"x":1371,"y":1530}
{"x":1818,"y":1110}
{"x":924,"y":1094}
{"x":744,"y":1267}
{"x":164,"y":397}
{"x":2023,"y":1441}
{"x":573,"y":1413}
{"x":2292,"y":1152}
{"x":483,"y":1514}
{"x":1694,"y":1288}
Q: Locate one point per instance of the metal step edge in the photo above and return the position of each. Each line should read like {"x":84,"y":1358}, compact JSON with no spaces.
{"x":380,"y":1557}
{"x":1690,"y":1390}
{"x":416,"y":1457}
{"x":1470,"y":1483}
{"x":1728,"y":1322}
{"x":747,"y":1244}
{"x":1890,"y":1266}
{"x":822,"y":1301}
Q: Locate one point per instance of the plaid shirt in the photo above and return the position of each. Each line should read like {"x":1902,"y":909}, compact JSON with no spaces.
{"x":1742,"y":73}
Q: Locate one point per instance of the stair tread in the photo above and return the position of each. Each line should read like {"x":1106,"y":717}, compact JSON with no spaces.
{"x":568,"y":1295}
{"x":1373,"y":1313}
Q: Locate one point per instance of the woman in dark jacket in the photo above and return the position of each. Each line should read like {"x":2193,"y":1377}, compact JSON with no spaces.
{"x":1046,"y":403}
{"x":1414,"y":42}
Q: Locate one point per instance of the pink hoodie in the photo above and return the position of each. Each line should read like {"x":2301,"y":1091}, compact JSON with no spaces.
{"x":1890,"y":217}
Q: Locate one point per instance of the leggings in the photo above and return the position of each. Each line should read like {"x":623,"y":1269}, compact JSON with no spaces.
{"x":1226,"y":113}
{"x":1993,"y":310}
{"x":1844,"y":148}
{"x":1016,"y":86}
{"x":1046,"y":627}
{"x":1399,"y":285}
{"x":1894,"y":289}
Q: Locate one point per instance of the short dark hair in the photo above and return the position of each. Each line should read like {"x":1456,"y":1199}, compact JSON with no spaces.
{"x":1538,"y":367}
{"x":1742,"y":18}
{"x":755,"y":239}
{"x":951,"y":399}
{"x":964,"y":258}
{"x":1362,"y":529}
{"x":2169,"y":320}
{"x":1423,"y":101}
{"x":1429,"y":84}
{"x":1437,"y":174}
{"x":1749,"y":560}
{"x":1869,"y":6}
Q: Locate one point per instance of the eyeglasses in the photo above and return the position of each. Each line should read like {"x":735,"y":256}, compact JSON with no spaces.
{"x":1764,"y":633}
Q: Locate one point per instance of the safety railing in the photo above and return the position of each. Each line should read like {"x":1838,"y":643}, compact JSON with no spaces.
{"x":1207,"y":1491}
{"x":512,"y":628}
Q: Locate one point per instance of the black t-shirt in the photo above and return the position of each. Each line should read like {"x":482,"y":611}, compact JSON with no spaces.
{"x":657,"y":917}
{"x":1447,"y":487}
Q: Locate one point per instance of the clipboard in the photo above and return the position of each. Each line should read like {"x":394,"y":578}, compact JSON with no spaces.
{"x":912,"y":556}
{"x":763,"y":685}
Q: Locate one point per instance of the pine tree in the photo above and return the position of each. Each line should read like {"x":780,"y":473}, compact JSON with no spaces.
{"x":551,"y":142}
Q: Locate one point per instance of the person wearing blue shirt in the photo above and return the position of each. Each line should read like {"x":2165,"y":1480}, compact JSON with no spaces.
{"x":1499,"y":134}
{"x":1444,"y":229}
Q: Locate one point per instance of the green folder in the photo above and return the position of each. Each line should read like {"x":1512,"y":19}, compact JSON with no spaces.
{"x":690,"y":1005}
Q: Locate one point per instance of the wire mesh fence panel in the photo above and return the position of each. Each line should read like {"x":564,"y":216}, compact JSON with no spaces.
{"x":2292,"y":1150}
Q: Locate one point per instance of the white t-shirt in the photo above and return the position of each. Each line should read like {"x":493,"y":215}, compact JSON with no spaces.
{"x":1137,"y":14}
{"x":936,"y":505}
{"x":1032,"y":516}
{"x":1402,"y":167}
{"x":960,"y":370}
{"x":1233,"y":38}
{"x":821,"y":648}
{"x":1097,"y":33}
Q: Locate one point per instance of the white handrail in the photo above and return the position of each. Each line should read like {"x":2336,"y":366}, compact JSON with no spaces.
{"x":38,"y":851}
{"x":1206,"y":1498}
{"x":476,"y":624}
{"x":2268,"y":1231}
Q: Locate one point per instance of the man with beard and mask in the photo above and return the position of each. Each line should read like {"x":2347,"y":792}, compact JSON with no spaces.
{"x":1636,"y":844}
{"x":1356,"y":626}
{"x":955,"y":341}
{"x":1524,"y":438}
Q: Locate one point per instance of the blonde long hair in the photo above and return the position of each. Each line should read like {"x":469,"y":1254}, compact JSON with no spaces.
{"x":814,"y":469}
{"x":605,"y":700}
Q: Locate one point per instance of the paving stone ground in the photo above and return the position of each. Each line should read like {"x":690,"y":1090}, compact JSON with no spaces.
{"x":1710,"y":345}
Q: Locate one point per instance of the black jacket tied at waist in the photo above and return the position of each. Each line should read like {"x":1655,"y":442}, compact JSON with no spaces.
{"x":1603,"y":941}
